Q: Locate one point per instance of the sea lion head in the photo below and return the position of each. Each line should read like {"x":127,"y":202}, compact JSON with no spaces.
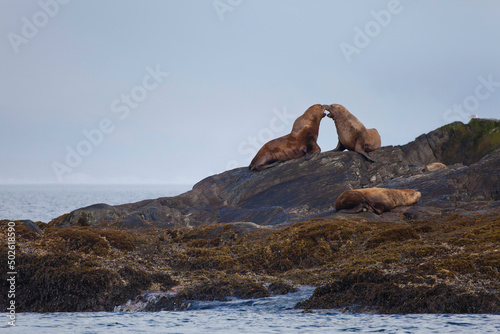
{"x":317,"y":110}
{"x":334,"y":110}
{"x":412,"y":195}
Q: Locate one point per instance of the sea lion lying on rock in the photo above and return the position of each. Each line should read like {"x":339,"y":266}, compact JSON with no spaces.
{"x":435,"y":166}
{"x":352,"y":134}
{"x":377,"y":200}
{"x":298,"y":143}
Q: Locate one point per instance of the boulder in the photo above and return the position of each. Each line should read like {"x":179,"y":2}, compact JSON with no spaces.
{"x":32,"y":226}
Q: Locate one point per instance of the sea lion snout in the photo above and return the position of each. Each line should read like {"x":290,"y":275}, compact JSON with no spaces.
{"x":331,"y":109}
{"x":418,"y":195}
{"x":323,"y":110}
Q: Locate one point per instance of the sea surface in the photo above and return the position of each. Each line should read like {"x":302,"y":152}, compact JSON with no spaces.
{"x":46,"y":202}
{"x":264,"y":315}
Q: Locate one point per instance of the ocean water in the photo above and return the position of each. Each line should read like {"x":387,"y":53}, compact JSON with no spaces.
{"x":265,"y":315}
{"x":46,"y":202}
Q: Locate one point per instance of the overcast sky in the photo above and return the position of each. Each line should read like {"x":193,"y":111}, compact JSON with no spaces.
{"x":166,"y":91}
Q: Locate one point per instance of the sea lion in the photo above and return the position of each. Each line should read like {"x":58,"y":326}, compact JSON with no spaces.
{"x":435,"y":166}
{"x":352,"y":134}
{"x":375,"y":200}
{"x":372,"y":141}
{"x":299,"y":142}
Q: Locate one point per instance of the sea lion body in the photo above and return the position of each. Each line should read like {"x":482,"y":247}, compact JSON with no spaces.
{"x":372,"y":140}
{"x":301,"y":141}
{"x":352,"y":134}
{"x":377,"y":200}
{"x":435,"y":166}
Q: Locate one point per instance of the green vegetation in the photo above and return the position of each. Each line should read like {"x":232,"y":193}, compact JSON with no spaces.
{"x":468,"y":143}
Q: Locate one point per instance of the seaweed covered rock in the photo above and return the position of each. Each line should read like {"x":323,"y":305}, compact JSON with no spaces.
{"x":281,"y":288}
{"x":59,"y":283}
{"x":456,"y":143}
{"x":449,"y":264}
{"x":71,"y":283}
{"x":372,"y":290}
{"x":220,"y":289}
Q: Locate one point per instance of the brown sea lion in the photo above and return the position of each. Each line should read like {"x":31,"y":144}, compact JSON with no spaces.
{"x":352,"y":134}
{"x":298,"y":143}
{"x":435,"y":166}
{"x":376,"y":200}
{"x":372,"y":141}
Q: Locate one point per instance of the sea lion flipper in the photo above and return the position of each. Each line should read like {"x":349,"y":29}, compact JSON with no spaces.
{"x":312,"y":152}
{"x":372,"y":206}
{"x":339,"y":147}
{"x":360,"y":149}
{"x":368,"y":158}
{"x":365,"y":155}
{"x":356,"y":209}
{"x":309,"y":155}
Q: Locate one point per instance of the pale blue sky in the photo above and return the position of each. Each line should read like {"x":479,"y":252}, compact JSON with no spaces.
{"x":239,"y":72}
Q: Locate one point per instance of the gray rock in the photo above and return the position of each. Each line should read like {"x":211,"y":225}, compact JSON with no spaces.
{"x":91,"y":215}
{"x":298,"y":190}
{"x":32,"y":226}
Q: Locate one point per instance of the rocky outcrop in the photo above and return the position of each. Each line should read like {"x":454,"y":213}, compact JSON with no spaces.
{"x":298,"y":190}
{"x":400,"y":293}
{"x":251,"y":235}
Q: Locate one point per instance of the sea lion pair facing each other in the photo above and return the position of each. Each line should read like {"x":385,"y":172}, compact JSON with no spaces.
{"x":377,"y":200}
{"x":352,"y":134}
{"x":302,"y":141}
